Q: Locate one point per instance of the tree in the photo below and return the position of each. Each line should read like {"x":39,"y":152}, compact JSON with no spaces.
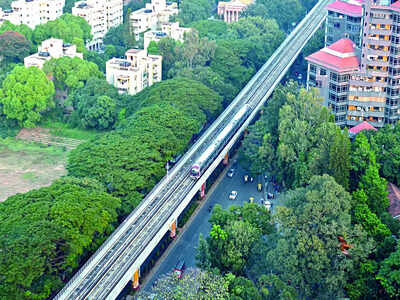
{"x":387,"y":150}
{"x":25,"y":94}
{"x":69,"y":73}
{"x":362,"y":156}
{"x":307,"y":255}
{"x":284,"y":12}
{"x":369,"y":220}
{"x":191,"y":97}
{"x":242,"y":288}
{"x":22,"y":29}
{"x":69,"y":28}
{"x":121,"y":38}
{"x":96,"y":104}
{"x":153,"y":48}
{"x":388,"y":275}
{"x":45,"y":233}
{"x":14,"y":46}
{"x":194,"y":10}
{"x":213,"y":29}
{"x":232,"y":237}
{"x":166,"y":48}
{"x":375,"y":188}
{"x":339,"y":158}
{"x":194,"y":284}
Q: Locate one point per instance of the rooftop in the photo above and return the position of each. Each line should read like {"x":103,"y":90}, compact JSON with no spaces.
{"x":339,"y":56}
{"x":360,"y":127}
{"x":352,"y":8}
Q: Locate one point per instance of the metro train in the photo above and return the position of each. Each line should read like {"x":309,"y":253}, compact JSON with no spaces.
{"x":200,"y":163}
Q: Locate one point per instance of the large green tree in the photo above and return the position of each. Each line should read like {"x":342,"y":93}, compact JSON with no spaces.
{"x":307,"y":255}
{"x":388,"y":275}
{"x":195,"y":284}
{"x":45,"y":232}
{"x":22,"y":29}
{"x":69,"y":28}
{"x":69,"y":73}
{"x":25,"y":94}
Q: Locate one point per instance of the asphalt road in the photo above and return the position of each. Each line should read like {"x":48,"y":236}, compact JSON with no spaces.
{"x":185,"y":248}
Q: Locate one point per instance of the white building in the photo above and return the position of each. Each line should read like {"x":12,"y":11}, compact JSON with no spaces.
{"x":51,"y":48}
{"x":168,"y":29}
{"x":150,"y":17}
{"x":33,"y":12}
{"x":101,"y":16}
{"x":137,"y":71}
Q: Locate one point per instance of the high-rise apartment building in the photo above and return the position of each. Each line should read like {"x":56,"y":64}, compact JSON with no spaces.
{"x":374,"y":88}
{"x":137,"y":71}
{"x":33,"y":12}
{"x":101,"y":16}
{"x":343,"y":21}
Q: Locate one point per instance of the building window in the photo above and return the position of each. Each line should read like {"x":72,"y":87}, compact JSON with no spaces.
{"x":322,"y":71}
{"x":313,"y":68}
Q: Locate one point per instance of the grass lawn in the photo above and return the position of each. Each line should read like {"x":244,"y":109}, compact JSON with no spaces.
{"x":63,"y":130}
{"x":27,"y":165}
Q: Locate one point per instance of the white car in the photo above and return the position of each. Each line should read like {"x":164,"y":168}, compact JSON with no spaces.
{"x":233,"y":195}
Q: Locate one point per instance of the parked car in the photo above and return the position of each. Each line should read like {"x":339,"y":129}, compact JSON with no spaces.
{"x":233,"y":195}
{"x":230,"y":173}
{"x":180,"y":268}
{"x":246,"y":178}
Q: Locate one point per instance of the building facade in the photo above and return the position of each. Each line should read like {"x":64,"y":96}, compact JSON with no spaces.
{"x":231,"y":10}
{"x":101,"y":16}
{"x":344,"y":21}
{"x":168,"y":29}
{"x":33,"y":12}
{"x":373,"y":91}
{"x":151,"y":16}
{"x":51,"y":48}
{"x":134,"y":73}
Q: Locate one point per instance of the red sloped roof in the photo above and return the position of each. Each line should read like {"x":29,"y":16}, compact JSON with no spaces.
{"x":394,"y":197}
{"x":343,"y":46}
{"x":396,"y":4}
{"x":339,"y":56}
{"x":346,"y":8}
{"x":362,"y":126}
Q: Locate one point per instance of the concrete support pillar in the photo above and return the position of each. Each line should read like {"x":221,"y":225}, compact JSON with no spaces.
{"x":226,"y":159}
{"x":173,"y":229}
{"x":135,"y":282}
{"x":203,"y":190}
{"x":225,"y":16}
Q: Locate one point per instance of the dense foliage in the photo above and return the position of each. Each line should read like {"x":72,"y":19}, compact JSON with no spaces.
{"x":14,"y":47}
{"x":45,"y":232}
{"x":130,"y":160}
{"x":25,"y":94}
{"x":69,"y":74}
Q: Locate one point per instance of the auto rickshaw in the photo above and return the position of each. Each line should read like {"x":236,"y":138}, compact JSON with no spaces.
{"x":251,"y":199}
{"x":259,"y":187}
{"x":246,"y":178}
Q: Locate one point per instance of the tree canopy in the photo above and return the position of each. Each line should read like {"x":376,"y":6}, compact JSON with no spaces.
{"x":44,"y":233}
{"x":25,"y":94}
{"x":14,"y":46}
{"x":69,"y":73}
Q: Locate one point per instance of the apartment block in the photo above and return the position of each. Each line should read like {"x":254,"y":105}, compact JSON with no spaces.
{"x":33,"y":12}
{"x":344,"y":21}
{"x":101,"y":16}
{"x":134,"y":73}
{"x":51,"y":48}
{"x":168,"y":29}
{"x":151,"y":16}
{"x":371,"y":93}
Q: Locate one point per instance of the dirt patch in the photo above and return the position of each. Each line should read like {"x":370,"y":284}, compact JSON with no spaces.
{"x":26,"y":165}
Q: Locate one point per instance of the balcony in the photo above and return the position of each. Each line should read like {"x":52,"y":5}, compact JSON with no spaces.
{"x":378,"y":52}
{"x":366,"y":103}
{"x":378,"y":42}
{"x":380,"y":31}
{"x":378,"y":63}
{"x":366,"y":93}
{"x":381,"y":21}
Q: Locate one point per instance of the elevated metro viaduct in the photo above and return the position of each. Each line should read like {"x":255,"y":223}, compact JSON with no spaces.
{"x":119,"y":259}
